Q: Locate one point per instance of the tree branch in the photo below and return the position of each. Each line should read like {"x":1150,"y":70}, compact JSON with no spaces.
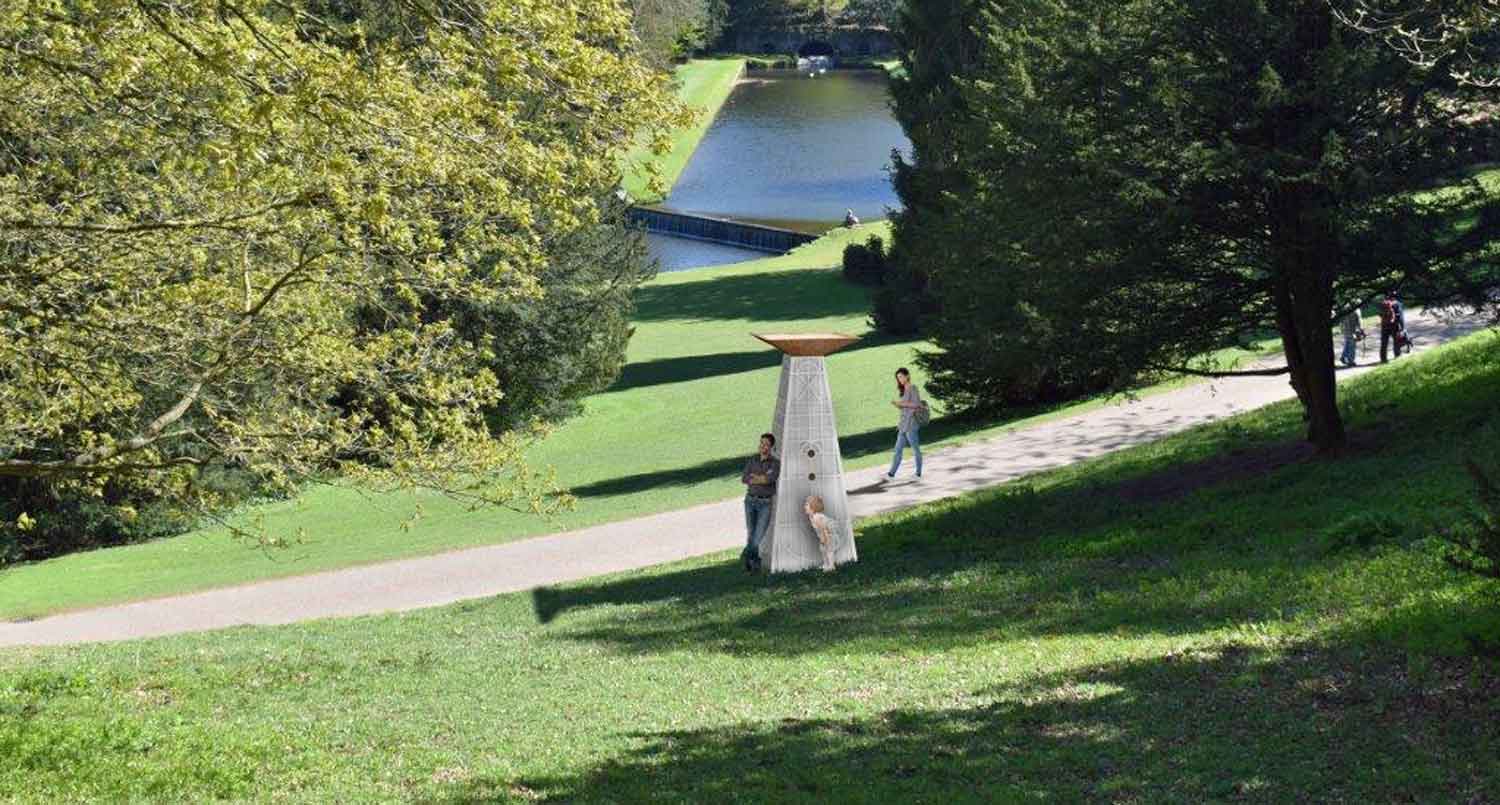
{"x":92,"y":460}
{"x":1183,"y":370}
{"x":130,"y":229}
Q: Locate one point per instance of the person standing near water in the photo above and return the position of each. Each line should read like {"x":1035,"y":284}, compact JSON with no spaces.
{"x":908,"y":401}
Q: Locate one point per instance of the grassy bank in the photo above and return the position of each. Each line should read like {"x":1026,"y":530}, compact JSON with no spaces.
{"x":695,"y":392}
{"x":1211,"y":617}
{"x":703,"y":85}
{"x":692,"y":360}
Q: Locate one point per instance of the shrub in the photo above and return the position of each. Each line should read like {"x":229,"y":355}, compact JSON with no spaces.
{"x":903,"y":300}
{"x":1360,"y":532}
{"x":121,"y":512}
{"x":865,"y":263}
{"x":1474,"y":546}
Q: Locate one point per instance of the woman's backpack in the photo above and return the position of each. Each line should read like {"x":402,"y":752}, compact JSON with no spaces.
{"x":922,"y":415}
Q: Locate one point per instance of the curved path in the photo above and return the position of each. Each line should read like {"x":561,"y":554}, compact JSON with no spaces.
{"x":478,"y":572}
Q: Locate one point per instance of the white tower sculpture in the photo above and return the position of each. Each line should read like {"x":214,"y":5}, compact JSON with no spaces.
{"x":808,"y":442}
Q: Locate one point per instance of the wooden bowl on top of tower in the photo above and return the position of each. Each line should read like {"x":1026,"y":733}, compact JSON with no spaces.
{"x":807,"y":345}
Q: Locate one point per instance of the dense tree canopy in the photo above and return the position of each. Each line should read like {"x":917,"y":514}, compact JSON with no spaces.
{"x":811,"y":13}
{"x":938,"y":46}
{"x":1000,"y":350}
{"x":1152,"y":180}
{"x":244,"y":233}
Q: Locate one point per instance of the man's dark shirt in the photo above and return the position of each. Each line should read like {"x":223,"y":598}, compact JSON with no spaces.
{"x":771,"y":468}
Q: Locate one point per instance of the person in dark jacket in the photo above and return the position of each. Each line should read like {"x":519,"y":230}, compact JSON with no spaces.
{"x":1392,"y":325}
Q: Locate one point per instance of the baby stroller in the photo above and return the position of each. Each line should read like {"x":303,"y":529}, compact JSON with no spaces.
{"x":1403,"y":342}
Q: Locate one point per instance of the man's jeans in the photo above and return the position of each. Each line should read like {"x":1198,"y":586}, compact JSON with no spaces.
{"x":1348,"y":356}
{"x":904,"y":438}
{"x":757,"y":520}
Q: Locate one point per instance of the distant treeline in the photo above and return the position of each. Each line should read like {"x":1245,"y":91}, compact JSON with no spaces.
{"x":675,"y":29}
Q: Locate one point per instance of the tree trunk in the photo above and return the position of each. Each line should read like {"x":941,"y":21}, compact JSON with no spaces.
{"x":1311,"y":311}
{"x":1306,"y":336}
{"x":1306,"y":250}
{"x":1291,"y":344}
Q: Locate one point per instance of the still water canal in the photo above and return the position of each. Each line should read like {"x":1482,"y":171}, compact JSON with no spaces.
{"x":790,"y":151}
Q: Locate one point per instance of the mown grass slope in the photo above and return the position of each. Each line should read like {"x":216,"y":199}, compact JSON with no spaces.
{"x":695,"y":394}
{"x":703,"y":85}
{"x":1215,"y":616}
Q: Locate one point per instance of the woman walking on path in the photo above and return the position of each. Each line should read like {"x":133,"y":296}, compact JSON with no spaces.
{"x":908,"y":402}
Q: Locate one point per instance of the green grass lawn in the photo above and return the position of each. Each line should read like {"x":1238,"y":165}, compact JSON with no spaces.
{"x":1208,"y":618}
{"x":696,"y":392}
{"x":703,"y":85}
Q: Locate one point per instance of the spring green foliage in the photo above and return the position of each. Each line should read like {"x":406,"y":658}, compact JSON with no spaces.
{"x":1165,"y":624}
{"x":229,"y":230}
{"x":1140,"y":183}
{"x":551,"y":351}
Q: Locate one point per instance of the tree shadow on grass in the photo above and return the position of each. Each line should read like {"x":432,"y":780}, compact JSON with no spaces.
{"x":1221,"y":722}
{"x":852,"y":447}
{"x":697,"y":367}
{"x":960,"y":575}
{"x":759,"y":296}
{"x":1109,"y":551}
{"x":693,"y":367}
{"x":911,"y":600}
{"x":1132,"y":557}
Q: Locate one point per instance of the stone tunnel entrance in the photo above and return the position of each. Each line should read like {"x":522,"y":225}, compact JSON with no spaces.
{"x":815,"y":47}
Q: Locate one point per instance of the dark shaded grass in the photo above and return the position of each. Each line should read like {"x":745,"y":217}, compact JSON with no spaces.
{"x":1230,"y":723}
{"x":764,"y":296}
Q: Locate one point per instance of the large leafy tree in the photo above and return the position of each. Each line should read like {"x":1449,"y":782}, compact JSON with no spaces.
{"x":1167,"y":177}
{"x":552,"y":350}
{"x":239,"y":232}
{"x":946,"y":272}
{"x":938,"y":47}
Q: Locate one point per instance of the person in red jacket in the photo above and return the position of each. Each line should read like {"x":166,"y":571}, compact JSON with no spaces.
{"x":1392,"y":326}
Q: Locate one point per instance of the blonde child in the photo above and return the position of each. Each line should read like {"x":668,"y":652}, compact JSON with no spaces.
{"x":813,"y":508}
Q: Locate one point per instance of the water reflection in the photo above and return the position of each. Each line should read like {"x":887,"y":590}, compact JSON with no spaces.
{"x":678,"y":254}
{"x":789,"y":150}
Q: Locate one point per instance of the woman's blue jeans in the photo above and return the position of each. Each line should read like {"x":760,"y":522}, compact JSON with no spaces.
{"x":904,"y":438}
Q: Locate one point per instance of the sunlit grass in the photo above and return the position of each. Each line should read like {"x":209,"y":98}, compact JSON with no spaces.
{"x":702,"y":85}
{"x":1150,"y":626}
